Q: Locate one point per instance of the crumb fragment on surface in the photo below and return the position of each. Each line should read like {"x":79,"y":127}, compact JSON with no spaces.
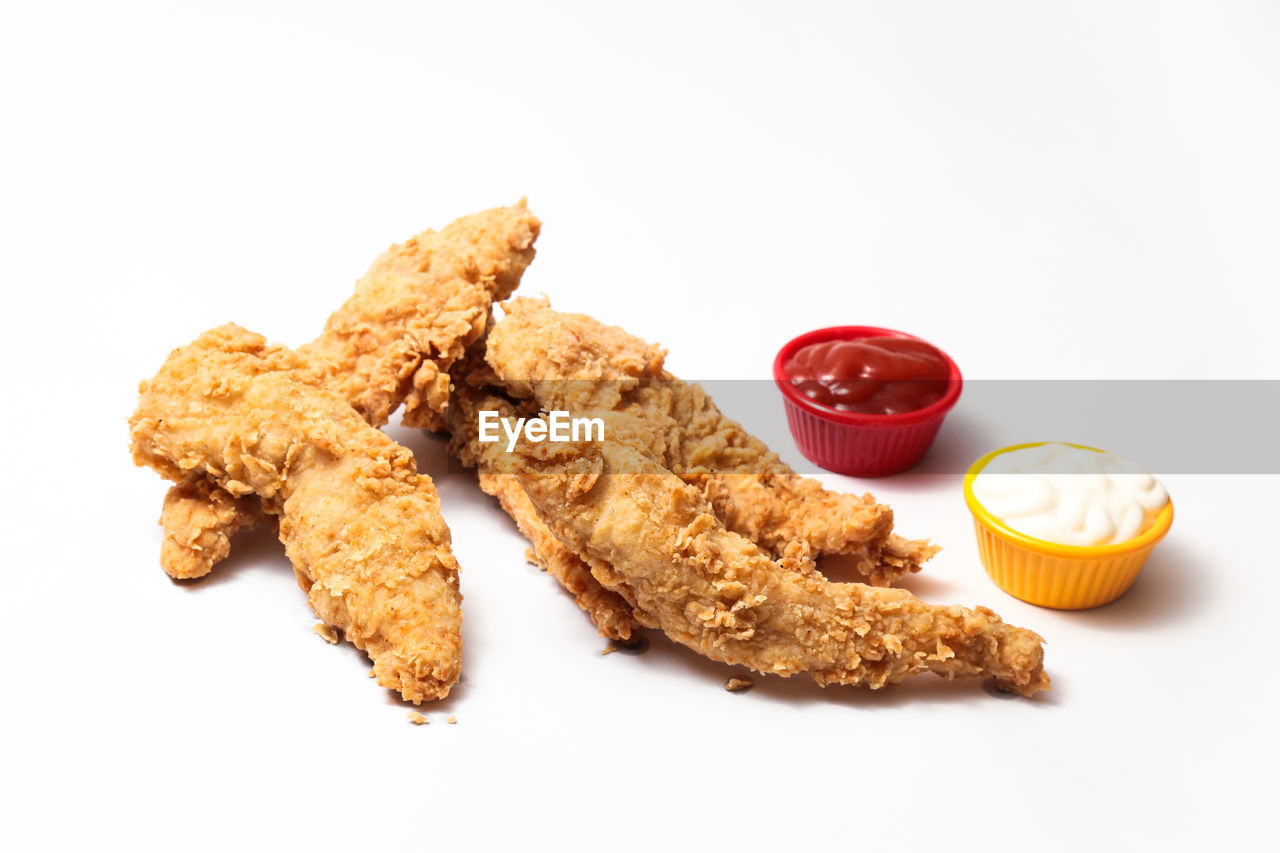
{"x":735,"y":684}
{"x":328,"y":633}
{"x":452,"y":721}
{"x":373,"y":673}
{"x":609,"y":649}
{"x":417,"y":719}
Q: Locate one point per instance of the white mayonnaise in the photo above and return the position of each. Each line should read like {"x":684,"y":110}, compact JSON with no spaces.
{"x":1069,"y":495}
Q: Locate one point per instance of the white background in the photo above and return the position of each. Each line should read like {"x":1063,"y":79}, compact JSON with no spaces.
{"x":1045,"y":190}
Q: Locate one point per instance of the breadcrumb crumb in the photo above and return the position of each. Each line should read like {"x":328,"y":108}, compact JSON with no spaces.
{"x":452,"y":721}
{"x":417,"y":719}
{"x":328,"y":633}
{"x":609,"y":649}
{"x":734,"y":684}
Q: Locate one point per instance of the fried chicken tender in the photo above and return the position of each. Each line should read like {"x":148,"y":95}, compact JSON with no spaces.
{"x":412,"y":316}
{"x":573,"y":362}
{"x":417,"y":309}
{"x":656,"y":541}
{"x":361,"y":527}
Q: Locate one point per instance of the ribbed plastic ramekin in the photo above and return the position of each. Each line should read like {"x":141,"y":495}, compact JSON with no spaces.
{"x":1066,"y":577}
{"x":859,"y":444}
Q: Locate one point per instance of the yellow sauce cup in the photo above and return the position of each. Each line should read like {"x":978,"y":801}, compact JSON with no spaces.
{"x":1066,"y":577}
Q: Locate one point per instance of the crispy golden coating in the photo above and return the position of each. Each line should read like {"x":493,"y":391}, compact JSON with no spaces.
{"x":417,"y":309}
{"x":607,"y":610}
{"x":199,"y":519}
{"x":573,"y":362}
{"x":776,"y":506}
{"x":661,"y":547}
{"x":412,"y":316}
{"x":361,"y":527}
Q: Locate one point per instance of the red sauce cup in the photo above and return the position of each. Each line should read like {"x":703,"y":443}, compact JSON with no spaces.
{"x":862,"y":445}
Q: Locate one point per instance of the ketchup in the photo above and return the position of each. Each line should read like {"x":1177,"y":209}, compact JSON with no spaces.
{"x":871,"y":376}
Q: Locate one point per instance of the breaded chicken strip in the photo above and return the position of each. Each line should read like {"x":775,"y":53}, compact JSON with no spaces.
{"x":660,"y":546}
{"x":361,"y":527}
{"x":417,"y":309}
{"x":573,"y":362}
{"x":422,"y":303}
{"x":600,"y":381}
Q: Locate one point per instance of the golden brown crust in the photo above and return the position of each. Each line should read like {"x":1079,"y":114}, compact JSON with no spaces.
{"x":409,"y":320}
{"x":361,"y":527}
{"x":718,"y":593}
{"x":422,"y":303}
{"x":199,"y":519}
{"x":608,"y":611}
